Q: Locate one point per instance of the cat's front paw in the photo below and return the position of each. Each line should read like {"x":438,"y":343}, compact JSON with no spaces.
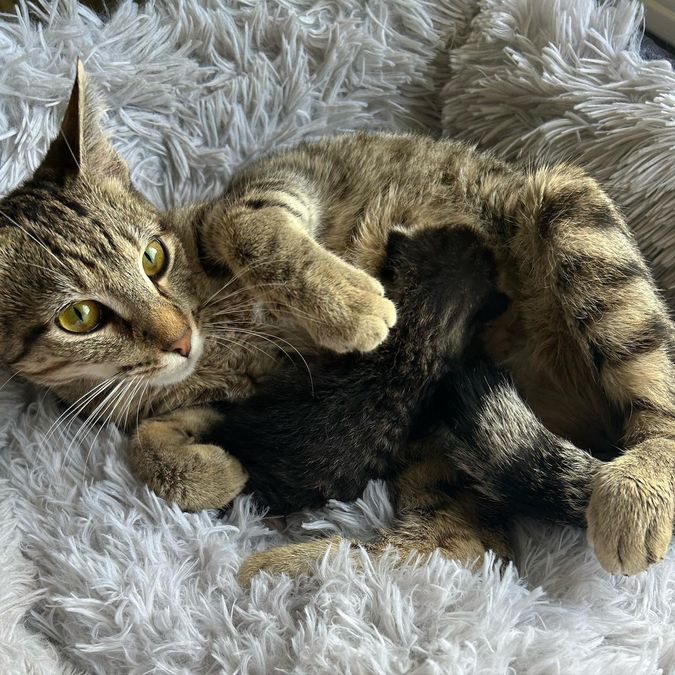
{"x":202,"y":477}
{"x":348,"y":311}
{"x":630,"y":516}
{"x":195,"y":476}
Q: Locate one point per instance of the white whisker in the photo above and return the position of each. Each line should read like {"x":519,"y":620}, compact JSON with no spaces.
{"x":257,"y":288}
{"x":138,"y":409}
{"x":242,"y":272}
{"x":239,"y":343}
{"x":271,"y":338}
{"x":132,"y":398}
{"x":77,"y":406}
{"x":119,"y":399}
{"x":91,"y":420}
{"x":9,"y":379}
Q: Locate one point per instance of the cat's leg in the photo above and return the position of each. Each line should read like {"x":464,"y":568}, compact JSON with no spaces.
{"x":290,"y":559}
{"x":265,"y":234}
{"x":520,"y":466}
{"x":434,"y":512}
{"x":593,"y":318}
{"x":166,"y":454}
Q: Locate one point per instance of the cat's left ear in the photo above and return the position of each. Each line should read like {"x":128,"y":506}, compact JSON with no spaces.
{"x":81,"y":146}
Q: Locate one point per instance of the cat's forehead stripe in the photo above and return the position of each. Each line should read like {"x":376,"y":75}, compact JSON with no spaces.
{"x":37,"y":206}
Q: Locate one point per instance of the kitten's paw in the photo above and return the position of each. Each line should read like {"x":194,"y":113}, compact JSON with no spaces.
{"x":292,"y":559}
{"x":349,"y":311}
{"x":630,"y":516}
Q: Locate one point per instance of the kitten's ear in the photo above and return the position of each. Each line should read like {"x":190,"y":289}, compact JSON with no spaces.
{"x":81,"y":146}
{"x":389,"y":271}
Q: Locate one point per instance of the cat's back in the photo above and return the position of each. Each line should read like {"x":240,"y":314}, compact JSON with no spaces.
{"x":372,"y":180}
{"x":369,"y":163}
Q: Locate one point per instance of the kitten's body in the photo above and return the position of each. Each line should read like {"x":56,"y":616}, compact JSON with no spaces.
{"x":587,"y":338}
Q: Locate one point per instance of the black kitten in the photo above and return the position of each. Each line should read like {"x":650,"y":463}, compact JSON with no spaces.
{"x":304,"y":443}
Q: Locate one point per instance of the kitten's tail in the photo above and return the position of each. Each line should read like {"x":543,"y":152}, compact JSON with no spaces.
{"x":518,"y":464}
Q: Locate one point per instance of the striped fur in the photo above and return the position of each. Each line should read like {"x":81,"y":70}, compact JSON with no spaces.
{"x":587,"y":338}
{"x":298,"y":236}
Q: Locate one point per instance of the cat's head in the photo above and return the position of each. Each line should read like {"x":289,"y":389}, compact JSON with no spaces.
{"x":92,"y":285}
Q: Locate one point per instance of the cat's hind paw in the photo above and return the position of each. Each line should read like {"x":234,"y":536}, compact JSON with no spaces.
{"x":630,"y":517}
{"x":291,"y":559}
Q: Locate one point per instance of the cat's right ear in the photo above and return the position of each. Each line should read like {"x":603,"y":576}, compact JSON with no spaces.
{"x":81,"y":146}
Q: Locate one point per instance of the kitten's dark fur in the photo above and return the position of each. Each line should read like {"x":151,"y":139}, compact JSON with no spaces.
{"x":303,"y":443}
{"x":492,"y":435}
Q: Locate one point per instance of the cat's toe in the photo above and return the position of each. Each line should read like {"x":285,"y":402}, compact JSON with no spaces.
{"x":371,"y":328}
{"x":360,"y":321}
{"x":208,"y":478}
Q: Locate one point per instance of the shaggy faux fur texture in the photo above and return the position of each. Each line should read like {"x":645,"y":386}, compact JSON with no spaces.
{"x":21,"y":650}
{"x":121,"y":582}
{"x":563,"y":80}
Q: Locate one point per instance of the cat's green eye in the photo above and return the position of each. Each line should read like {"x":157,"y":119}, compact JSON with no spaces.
{"x":154,"y":258}
{"x":80,"y":317}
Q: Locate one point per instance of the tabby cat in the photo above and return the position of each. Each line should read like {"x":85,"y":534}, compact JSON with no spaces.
{"x":119,"y":308}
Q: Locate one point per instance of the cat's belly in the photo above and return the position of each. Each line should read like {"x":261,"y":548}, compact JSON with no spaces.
{"x":569,"y":404}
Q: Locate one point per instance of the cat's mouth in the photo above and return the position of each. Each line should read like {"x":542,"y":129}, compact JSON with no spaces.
{"x":176,"y":368}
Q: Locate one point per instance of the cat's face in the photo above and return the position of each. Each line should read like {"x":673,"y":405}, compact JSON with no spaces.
{"x":92,"y":286}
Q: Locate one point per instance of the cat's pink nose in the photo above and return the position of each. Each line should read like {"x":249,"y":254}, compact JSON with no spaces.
{"x":183,"y":344}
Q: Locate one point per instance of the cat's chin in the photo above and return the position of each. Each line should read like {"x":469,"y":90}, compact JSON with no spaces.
{"x":179,"y":368}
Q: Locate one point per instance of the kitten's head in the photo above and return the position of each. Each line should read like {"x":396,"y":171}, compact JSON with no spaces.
{"x":443,"y":279}
{"x":92,"y":285}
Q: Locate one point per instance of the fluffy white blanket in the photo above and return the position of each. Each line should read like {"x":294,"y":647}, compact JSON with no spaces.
{"x":98,"y":574}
